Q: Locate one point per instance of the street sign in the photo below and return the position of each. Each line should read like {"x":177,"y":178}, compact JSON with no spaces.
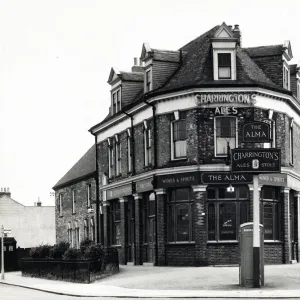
{"x":259,"y":160}
{"x":256,"y":132}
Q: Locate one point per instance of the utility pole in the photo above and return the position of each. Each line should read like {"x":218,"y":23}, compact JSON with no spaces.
{"x":2,"y":252}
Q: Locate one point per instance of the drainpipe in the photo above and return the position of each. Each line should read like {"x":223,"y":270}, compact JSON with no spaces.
{"x":132,"y":142}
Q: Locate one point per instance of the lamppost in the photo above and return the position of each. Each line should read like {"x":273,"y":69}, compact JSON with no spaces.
{"x":2,"y":252}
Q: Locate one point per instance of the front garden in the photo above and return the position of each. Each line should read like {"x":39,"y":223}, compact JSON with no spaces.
{"x":60,"y":262}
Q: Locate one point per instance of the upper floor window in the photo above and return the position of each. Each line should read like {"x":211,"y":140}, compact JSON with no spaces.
{"x":224,"y":65}
{"x":89,"y":195}
{"x":60,"y":205}
{"x":148,"y":81}
{"x":118,"y":156}
{"x":147,"y":144}
{"x":178,"y":139}
{"x":116,"y":101}
{"x":111,"y":158}
{"x":129,"y":150}
{"x":291,"y":143}
{"x":286,"y":77}
{"x":225,"y":135}
{"x":73,"y":201}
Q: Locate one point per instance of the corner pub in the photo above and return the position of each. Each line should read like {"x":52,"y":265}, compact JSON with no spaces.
{"x":163,"y":152}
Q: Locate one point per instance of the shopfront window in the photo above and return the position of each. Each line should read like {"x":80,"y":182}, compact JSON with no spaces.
{"x":226,"y":211}
{"x":115,"y":222}
{"x":270,"y":212}
{"x":180,"y":216}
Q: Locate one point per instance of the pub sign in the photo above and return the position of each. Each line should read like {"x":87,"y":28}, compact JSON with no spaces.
{"x":257,"y":160}
{"x":256,"y":132}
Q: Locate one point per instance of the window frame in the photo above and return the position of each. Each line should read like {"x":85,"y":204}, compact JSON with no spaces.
{"x":215,"y":134}
{"x":89,"y":195}
{"x":216,"y":202}
{"x":172,"y":206}
{"x":111,"y":159}
{"x":272,"y":201}
{"x":229,"y":65}
{"x":147,"y":146}
{"x":129,"y":151}
{"x":73,"y":201}
{"x":231,"y":50}
{"x":60,"y":207}
{"x":286,"y":76}
{"x":173,"y":145}
{"x":115,"y":206}
{"x":148,"y":80}
{"x":291,"y":143}
{"x":116,"y":101}
{"x":298,"y":89}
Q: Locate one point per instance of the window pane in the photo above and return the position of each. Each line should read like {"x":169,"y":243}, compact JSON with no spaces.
{"x":224,"y":59}
{"x":182,"y":216}
{"x":268,"y":220}
{"x":244,"y":212}
{"x":223,"y":194}
{"x":267,"y":192}
{"x":221,"y":145}
{"x":171,"y":224}
{"x":227,"y":221}
{"x":224,"y":72}
{"x":151,"y":208}
{"x":180,"y":149}
{"x":117,"y":234}
{"x":276,"y":221}
{"x":211,"y":222}
{"x":182,"y":194}
{"x":211,"y":194}
{"x":243,"y":192}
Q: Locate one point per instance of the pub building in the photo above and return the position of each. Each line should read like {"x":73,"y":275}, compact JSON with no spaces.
{"x":166,"y":189}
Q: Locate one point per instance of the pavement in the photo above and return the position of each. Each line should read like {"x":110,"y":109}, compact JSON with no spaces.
{"x":281,"y":281}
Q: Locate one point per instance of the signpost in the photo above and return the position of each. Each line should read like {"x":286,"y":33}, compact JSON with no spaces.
{"x":256,"y":161}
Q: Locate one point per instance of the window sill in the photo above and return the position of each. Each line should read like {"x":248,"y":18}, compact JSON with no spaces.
{"x":116,"y":246}
{"x":273,"y":242}
{"x":60,"y":216}
{"x":74,"y":213}
{"x":223,"y":242}
{"x":180,"y":243}
{"x":119,"y":175}
{"x":147,"y":168}
{"x":130,"y":173}
{"x":178,"y":159}
{"x":291,"y":164}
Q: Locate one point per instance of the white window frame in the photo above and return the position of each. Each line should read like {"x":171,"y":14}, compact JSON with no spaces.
{"x":93,"y":233}
{"x":176,"y":116}
{"x":215,"y":134}
{"x":298,"y":89}
{"x":147,"y":144}
{"x":129,"y":151}
{"x":118,"y":155}
{"x":216,"y":63}
{"x":73,"y":201}
{"x":271,"y":144}
{"x":148,"y":87}
{"x":286,"y":76}
{"x":89,"y":195}
{"x":111,"y":164}
{"x":117,"y":101}
{"x":291,"y":142}
{"x":85,"y":229}
{"x":60,"y":205}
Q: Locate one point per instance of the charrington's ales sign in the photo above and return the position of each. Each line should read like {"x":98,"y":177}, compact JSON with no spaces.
{"x":256,"y":160}
{"x":233,"y":98}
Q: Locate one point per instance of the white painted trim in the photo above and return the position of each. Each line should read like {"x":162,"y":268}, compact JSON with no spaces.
{"x":199,"y":188}
{"x":137,"y":196}
{"x":176,"y":115}
{"x":250,"y":186}
{"x":160,"y":191}
{"x":224,"y":48}
{"x":285,"y":190}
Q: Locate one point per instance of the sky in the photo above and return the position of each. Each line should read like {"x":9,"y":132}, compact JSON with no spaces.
{"x":55,"y":60}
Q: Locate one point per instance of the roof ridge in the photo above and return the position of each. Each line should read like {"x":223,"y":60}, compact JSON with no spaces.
{"x":262,"y":46}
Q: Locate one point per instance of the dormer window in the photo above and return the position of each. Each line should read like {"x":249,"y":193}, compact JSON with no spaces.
{"x":116,"y":101}
{"x":286,"y":77}
{"x":148,"y":81}
{"x":224,"y":65}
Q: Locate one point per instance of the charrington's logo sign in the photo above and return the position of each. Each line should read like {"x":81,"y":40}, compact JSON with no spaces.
{"x":216,"y":98}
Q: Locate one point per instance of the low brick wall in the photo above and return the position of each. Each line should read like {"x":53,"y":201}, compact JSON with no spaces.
{"x":180,"y":255}
{"x":223,"y":254}
{"x":273,"y":253}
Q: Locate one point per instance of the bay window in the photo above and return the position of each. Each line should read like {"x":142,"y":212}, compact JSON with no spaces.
{"x":225,"y":135}
{"x":180,"y":211}
{"x":226,"y":212}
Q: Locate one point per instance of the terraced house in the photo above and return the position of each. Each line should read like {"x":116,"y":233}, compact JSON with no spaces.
{"x":163,"y":152}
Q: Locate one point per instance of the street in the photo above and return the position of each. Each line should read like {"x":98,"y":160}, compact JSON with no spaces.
{"x":8,"y":292}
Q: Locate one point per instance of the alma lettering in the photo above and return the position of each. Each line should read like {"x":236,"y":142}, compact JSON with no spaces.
{"x":256,"y":134}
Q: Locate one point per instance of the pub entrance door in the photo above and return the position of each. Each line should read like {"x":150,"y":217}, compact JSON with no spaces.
{"x":149,"y":228}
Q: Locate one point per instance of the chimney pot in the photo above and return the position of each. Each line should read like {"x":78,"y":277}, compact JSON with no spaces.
{"x":230,"y":27}
{"x":135,"y":61}
{"x":141,"y":62}
{"x":236,"y":27}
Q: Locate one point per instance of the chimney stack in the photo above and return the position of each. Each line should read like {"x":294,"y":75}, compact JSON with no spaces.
{"x":5,"y":192}
{"x":237,"y":33}
{"x":39,"y":203}
{"x":137,"y":67}
{"x":230,"y":27}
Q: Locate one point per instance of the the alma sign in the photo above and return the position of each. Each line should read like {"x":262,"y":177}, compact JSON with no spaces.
{"x":256,"y":132}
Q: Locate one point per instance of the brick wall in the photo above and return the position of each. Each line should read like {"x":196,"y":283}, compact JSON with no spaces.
{"x":223,"y":254}
{"x":273,"y":253}
{"x":180,"y":255}
{"x":81,"y":209}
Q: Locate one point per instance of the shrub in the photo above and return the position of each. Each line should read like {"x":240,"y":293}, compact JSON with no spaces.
{"x":42,"y":251}
{"x":72,"y":253}
{"x":94,"y":252}
{"x":85,"y":244}
{"x":59,"y":249}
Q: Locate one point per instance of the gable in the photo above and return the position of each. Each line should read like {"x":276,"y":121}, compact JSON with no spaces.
{"x":224,"y":32}
{"x":113,"y":75}
{"x":145,"y":50}
{"x":288,"y":50}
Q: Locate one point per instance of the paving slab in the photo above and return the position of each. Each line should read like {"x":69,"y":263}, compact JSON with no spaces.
{"x":282,"y":281}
